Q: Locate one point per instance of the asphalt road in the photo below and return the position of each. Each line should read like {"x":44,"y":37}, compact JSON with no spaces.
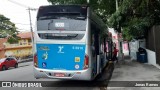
{"x":25,"y":73}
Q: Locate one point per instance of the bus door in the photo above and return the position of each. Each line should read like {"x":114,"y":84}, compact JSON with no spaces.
{"x":95,"y":51}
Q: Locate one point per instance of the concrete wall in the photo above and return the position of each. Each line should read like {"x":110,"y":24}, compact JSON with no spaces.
{"x":134,"y":46}
{"x":153,"y":42}
{"x":125,"y":48}
{"x":133,"y":49}
{"x":19,"y":51}
{"x":151,"y":55}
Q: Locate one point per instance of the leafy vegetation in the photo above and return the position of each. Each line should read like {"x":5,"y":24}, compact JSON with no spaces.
{"x":103,"y":8}
{"x":8,"y":29}
{"x":133,"y":16}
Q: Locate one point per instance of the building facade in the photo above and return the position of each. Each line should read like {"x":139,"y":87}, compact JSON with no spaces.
{"x":21,"y":49}
{"x":2,"y":47}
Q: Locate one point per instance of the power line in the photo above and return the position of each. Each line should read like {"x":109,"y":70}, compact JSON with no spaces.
{"x":29,"y":9}
{"x":23,"y":29}
{"x":22,"y":24}
{"x":22,"y":5}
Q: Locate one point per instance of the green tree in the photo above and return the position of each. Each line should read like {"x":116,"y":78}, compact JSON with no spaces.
{"x":135,"y":17}
{"x":103,"y":8}
{"x":55,"y":2}
{"x":8,"y":29}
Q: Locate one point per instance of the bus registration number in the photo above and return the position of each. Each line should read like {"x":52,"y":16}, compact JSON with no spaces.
{"x":59,"y":74}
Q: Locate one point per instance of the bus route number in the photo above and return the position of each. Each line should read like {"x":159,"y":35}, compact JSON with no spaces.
{"x":59,"y":24}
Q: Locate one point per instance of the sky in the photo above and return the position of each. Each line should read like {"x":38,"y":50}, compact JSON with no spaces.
{"x":16,"y":11}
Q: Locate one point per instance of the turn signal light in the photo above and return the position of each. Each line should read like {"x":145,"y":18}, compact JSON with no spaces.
{"x":35,"y":60}
{"x":86,"y":62}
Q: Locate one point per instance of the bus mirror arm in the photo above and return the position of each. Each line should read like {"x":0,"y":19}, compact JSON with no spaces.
{"x":49,"y":24}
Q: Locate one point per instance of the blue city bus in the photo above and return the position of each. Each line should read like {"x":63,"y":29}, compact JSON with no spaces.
{"x":69,"y":43}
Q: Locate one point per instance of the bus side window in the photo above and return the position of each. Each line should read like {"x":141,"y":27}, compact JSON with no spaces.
{"x":105,"y":48}
{"x":96,"y":43}
{"x":92,"y":41}
{"x":95,"y":39}
{"x":92,"y":45}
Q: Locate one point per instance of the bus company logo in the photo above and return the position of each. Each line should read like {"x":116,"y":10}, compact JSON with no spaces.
{"x":60,"y":49}
{"x":44,"y":48}
{"x":45,"y":56}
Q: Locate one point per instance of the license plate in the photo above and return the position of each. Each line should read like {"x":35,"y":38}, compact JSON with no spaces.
{"x":59,"y":74}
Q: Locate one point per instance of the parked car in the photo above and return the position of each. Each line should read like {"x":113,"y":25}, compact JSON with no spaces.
{"x":8,"y":62}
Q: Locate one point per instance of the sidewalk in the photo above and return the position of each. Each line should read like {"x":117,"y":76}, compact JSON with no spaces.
{"x":130,"y":70}
{"x":25,"y":64}
{"x":25,"y":60}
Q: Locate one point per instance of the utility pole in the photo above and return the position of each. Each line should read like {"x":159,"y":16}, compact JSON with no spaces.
{"x":30,"y":20}
{"x":88,"y":1}
{"x":116,"y":5}
{"x":120,"y":53}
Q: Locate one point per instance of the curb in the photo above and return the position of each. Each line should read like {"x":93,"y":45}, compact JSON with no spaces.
{"x":25,"y":60}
